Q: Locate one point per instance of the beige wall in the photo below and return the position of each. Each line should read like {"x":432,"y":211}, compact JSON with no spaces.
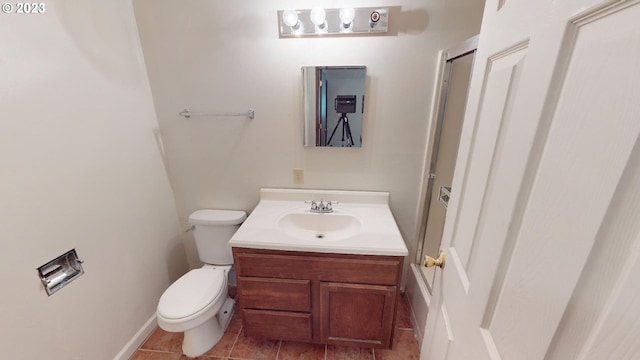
{"x":226,"y":56}
{"x":80,"y":168}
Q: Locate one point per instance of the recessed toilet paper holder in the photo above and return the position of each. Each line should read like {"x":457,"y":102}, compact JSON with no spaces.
{"x":60,"y":271}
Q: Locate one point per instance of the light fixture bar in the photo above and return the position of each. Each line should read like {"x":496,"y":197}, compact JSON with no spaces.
{"x":346,"y":21}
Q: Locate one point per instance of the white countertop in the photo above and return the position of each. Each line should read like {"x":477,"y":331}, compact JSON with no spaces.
{"x":379,"y":233}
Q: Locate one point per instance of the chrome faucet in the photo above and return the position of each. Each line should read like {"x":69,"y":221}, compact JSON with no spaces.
{"x":322,"y":207}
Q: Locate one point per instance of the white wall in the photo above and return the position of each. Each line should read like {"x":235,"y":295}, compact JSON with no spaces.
{"x":226,"y":56}
{"x":80,"y":169}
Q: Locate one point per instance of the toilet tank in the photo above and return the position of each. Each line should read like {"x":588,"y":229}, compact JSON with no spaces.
{"x":212,"y":230}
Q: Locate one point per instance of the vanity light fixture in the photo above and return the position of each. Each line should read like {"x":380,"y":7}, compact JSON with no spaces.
{"x":322,"y":22}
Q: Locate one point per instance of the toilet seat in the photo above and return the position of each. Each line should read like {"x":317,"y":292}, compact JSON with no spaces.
{"x":192,"y":294}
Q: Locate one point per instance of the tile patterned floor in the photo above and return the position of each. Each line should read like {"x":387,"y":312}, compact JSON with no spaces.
{"x":162,"y":345}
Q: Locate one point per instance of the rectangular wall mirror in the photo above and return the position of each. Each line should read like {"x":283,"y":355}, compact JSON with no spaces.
{"x":333,"y":105}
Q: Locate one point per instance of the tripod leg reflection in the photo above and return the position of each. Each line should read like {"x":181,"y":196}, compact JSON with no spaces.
{"x":346,"y":130}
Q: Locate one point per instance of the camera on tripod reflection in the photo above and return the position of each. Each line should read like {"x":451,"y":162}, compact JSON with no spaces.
{"x":345,"y":104}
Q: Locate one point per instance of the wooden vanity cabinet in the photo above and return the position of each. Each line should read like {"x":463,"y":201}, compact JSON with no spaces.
{"x":322,"y":298}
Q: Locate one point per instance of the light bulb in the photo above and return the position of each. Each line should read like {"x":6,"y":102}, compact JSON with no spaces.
{"x":318,"y":17}
{"x":346,"y":16}
{"x":290,"y":17}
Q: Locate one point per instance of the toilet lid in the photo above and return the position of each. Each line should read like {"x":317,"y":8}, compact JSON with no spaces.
{"x":191,"y":293}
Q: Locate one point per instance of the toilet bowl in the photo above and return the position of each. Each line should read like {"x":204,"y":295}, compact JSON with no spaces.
{"x":197,"y":304}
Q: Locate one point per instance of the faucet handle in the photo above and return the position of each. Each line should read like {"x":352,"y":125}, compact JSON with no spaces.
{"x":329,"y":205}
{"x":314,"y":205}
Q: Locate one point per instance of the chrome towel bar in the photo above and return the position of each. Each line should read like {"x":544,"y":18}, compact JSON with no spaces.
{"x":188,"y":114}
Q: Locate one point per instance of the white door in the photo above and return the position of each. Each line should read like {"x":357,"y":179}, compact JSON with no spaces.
{"x":542,"y":231}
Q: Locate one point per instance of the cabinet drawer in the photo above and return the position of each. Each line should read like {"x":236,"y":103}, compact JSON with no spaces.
{"x":275,"y":294}
{"x":344,"y":268}
{"x":282,"y":325}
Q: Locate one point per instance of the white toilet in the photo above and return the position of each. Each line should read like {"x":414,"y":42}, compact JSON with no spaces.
{"x":197,"y":303}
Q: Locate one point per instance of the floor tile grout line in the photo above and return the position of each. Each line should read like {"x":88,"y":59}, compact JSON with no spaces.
{"x":158,"y":351}
{"x":279,"y":347}
{"x":234,"y":342}
{"x":404,"y":329}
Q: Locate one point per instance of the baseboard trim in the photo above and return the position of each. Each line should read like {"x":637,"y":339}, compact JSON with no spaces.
{"x":137,"y":339}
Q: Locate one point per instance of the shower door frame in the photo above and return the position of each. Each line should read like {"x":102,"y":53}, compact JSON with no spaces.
{"x":445,"y":66}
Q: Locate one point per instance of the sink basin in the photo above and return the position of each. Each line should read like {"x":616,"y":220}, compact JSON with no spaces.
{"x":313,"y":226}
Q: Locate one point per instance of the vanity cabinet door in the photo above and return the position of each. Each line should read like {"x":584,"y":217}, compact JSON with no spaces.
{"x":357,"y":314}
